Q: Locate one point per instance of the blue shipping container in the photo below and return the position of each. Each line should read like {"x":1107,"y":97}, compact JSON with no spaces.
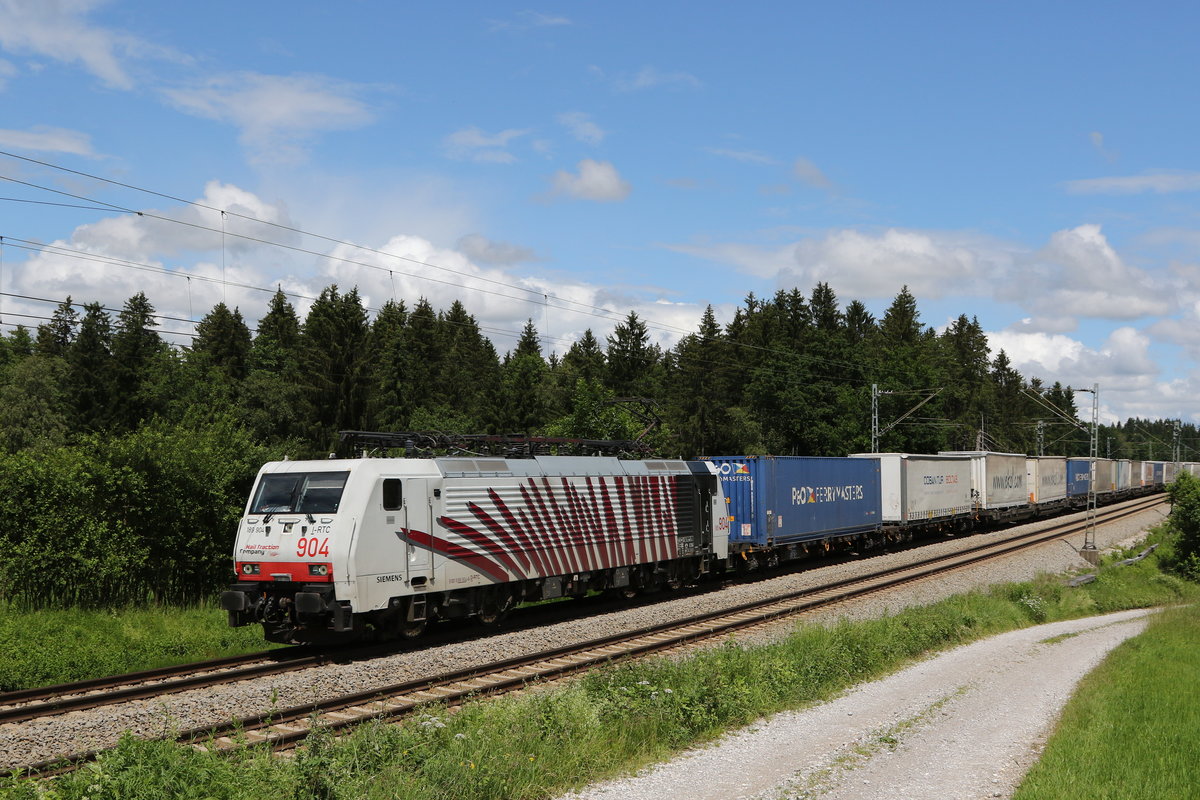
{"x":775,"y":500}
{"x":1159,"y":472}
{"x":1079,"y":476}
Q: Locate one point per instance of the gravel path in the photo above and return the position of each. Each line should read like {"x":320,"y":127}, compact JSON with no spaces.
{"x":965,"y":724}
{"x":98,"y":728}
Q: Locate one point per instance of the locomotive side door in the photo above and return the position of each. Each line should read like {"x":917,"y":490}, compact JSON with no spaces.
{"x":418,"y":516}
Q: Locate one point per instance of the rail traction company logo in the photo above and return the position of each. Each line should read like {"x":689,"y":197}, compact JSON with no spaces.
{"x":804,"y":495}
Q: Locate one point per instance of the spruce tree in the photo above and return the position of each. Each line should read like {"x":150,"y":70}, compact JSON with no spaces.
{"x":90,"y":370}
{"x":222,"y":343}
{"x":138,"y":363}
{"x":55,"y":337}
{"x":274,"y":402}
{"x":331,"y":348}
{"x":632,"y":359}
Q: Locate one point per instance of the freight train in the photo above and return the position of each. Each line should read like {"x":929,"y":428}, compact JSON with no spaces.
{"x":345,"y":548}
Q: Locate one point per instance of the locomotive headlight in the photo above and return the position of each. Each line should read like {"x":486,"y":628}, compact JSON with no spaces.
{"x":318,"y":569}
{"x":249,"y":569}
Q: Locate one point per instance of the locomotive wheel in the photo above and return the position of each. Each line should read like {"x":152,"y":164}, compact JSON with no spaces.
{"x":413,"y":629}
{"x":495,"y":608}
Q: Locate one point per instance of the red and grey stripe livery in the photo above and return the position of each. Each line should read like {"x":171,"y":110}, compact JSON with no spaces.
{"x":562,"y":525}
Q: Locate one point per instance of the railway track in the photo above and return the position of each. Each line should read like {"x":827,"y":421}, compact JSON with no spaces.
{"x":283,"y":729}
{"x":27,"y":704}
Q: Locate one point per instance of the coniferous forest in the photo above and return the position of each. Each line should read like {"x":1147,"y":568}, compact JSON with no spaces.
{"x":125,"y":461}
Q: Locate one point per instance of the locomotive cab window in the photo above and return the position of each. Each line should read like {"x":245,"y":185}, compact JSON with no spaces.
{"x":393,"y":495}
{"x":299,"y":492}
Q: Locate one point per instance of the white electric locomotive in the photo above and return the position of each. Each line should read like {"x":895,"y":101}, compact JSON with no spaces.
{"x":338,"y":548}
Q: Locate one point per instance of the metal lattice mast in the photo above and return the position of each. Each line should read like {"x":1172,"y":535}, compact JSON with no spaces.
{"x":876,"y":432}
{"x":874,"y":417}
{"x":1089,"y":536}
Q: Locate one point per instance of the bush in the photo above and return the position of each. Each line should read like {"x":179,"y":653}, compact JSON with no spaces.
{"x":116,"y":521}
{"x":1185,"y":523}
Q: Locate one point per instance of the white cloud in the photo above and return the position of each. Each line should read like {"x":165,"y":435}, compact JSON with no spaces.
{"x":1123,"y":366}
{"x":480,"y":248}
{"x":47,"y":139}
{"x":597,"y":180}
{"x":59,"y":30}
{"x":651,"y":78}
{"x":403,"y":266}
{"x":581,"y":127}
{"x":1157,"y":182}
{"x":1097,"y":140}
{"x":868,"y":265}
{"x":472,"y":144}
{"x":1079,"y":274}
{"x":7,"y":70}
{"x":529,"y":19}
{"x":744,"y":156}
{"x":807,"y":172}
{"x":1076,"y":275}
{"x":276,"y":114}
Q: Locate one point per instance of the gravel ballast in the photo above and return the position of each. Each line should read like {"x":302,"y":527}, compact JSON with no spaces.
{"x":22,"y":743}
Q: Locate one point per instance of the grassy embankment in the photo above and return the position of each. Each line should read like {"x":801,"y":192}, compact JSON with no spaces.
{"x":1129,"y":733}
{"x":42,"y":648}
{"x":611,"y":721}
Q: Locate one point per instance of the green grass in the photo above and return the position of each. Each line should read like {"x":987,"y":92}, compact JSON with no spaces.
{"x":542,"y":743}
{"x":1130,"y":731}
{"x":41,"y":648}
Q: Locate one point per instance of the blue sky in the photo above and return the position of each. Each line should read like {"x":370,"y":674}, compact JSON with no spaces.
{"x":1031,"y":164}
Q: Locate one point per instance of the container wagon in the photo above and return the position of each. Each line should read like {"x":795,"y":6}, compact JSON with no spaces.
{"x":1124,"y":475}
{"x":1046,"y":478}
{"x":923,"y":490}
{"x":1079,"y":480}
{"x":785,"y":506}
{"x":998,"y":481}
{"x":1105,"y":475}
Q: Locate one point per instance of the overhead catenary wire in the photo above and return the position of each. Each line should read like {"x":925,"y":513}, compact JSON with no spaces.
{"x":582,"y":308}
{"x":289,"y":228}
{"x":27,"y":244}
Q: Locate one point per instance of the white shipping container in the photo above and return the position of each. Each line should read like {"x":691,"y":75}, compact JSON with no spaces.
{"x":1136,"y":471}
{"x":1124,"y":473}
{"x":1046,"y":478}
{"x":998,"y":478}
{"x":918,"y":488}
{"x":1105,"y":475}
{"x":1147,"y":473}
{"x":1169,"y":472}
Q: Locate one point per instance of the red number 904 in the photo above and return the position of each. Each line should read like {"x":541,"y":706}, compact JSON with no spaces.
{"x":310,"y":548}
